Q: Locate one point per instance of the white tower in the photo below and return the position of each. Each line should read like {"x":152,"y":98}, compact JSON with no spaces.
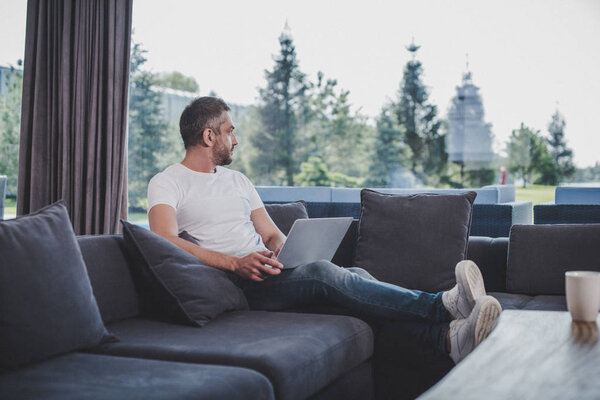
{"x":469,"y":139}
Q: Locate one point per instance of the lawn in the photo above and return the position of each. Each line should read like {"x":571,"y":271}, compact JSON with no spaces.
{"x":536,"y":194}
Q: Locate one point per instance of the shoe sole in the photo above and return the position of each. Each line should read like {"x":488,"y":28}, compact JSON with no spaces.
{"x":488,"y":311}
{"x":469,"y":276}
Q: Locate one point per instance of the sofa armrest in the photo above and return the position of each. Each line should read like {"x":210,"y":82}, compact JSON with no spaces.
{"x":490,"y":255}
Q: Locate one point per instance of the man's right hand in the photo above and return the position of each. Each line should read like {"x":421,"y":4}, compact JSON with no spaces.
{"x":257,"y":266}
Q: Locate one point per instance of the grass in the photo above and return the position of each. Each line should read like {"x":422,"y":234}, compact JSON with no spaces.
{"x":536,"y":194}
{"x":10,"y":206}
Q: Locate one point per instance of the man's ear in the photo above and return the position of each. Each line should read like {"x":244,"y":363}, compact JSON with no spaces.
{"x":208,"y":137}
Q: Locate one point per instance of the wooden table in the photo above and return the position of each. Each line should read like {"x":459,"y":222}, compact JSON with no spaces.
{"x":530,"y":355}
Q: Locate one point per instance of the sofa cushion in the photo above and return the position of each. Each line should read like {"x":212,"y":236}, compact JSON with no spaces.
{"x":97,"y":377}
{"x":105,"y":257}
{"x":299,"y":353}
{"x":46,"y":302}
{"x":413,"y":241}
{"x":179,"y":283}
{"x":513,"y":301}
{"x":284,"y":215}
{"x":548,"y":251}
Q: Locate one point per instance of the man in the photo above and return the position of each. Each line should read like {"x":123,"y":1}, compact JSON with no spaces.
{"x":222,"y":210}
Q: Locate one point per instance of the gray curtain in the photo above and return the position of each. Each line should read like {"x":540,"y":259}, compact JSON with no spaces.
{"x":74,"y":112}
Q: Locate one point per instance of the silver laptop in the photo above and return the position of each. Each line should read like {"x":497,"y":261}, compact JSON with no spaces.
{"x":312,"y":240}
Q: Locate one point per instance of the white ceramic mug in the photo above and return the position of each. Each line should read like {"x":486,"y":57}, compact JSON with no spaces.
{"x":583,"y":295}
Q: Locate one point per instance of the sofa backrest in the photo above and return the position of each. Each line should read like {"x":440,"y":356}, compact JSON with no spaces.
{"x":539,"y":256}
{"x":107,"y":262}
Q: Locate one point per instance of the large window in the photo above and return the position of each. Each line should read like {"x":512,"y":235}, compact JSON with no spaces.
{"x":396,"y":94}
{"x":12,"y":30}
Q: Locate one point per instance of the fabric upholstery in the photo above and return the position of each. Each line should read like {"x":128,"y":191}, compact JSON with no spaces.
{"x":413,"y":241}
{"x":74,"y":110}
{"x":284,"y":215}
{"x":490,"y":255}
{"x":512,"y":301}
{"x":299,"y":353}
{"x":46,"y":302}
{"x":80,"y":376}
{"x":178,"y":282}
{"x":105,"y":257}
{"x":548,"y":251}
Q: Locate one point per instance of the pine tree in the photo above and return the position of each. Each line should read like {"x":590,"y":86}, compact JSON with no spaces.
{"x":281,"y":109}
{"x":420,"y":122}
{"x":390,"y":153}
{"x":562,"y":156}
{"x":147,"y":128}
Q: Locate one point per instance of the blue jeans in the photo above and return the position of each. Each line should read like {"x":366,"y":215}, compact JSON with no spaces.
{"x":354,"y":289}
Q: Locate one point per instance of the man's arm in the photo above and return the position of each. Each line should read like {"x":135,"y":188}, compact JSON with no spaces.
{"x":272,"y":237}
{"x":163,"y":222}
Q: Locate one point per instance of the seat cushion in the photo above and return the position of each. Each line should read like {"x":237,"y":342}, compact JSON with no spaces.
{"x":80,"y":376}
{"x":47,"y":306}
{"x":299,"y":353}
{"x":413,"y":241}
{"x":514,"y":301}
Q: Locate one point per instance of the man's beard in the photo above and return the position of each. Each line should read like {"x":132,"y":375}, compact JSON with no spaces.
{"x":222,"y":155}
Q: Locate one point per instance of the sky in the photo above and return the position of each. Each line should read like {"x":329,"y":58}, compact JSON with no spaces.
{"x":528,"y":57}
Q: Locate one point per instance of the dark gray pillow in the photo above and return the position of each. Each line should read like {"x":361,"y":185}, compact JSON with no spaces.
{"x":46,"y":302}
{"x":179,"y":285}
{"x":413,"y":241}
{"x":284,"y":215}
{"x":539,"y":256}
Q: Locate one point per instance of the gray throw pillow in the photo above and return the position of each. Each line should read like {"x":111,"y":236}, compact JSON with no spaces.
{"x":47,"y":306}
{"x":413,"y":241}
{"x":539,"y":256}
{"x":177,"y":284}
{"x":284,"y":215}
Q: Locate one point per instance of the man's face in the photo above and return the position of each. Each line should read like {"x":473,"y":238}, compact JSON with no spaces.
{"x":225,"y":142}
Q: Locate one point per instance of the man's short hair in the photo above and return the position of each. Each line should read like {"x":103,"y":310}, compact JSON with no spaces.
{"x":202,"y":113}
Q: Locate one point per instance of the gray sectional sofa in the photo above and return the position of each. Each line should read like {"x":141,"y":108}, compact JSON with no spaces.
{"x":318,"y":352}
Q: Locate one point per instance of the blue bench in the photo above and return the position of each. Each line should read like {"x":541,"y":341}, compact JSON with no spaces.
{"x":491,"y":217}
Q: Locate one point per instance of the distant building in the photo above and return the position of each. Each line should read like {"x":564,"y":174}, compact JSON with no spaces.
{"x":174,"y":102}
{"x":469,"y":138}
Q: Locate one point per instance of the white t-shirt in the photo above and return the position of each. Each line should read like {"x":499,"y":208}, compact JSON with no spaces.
{"x":213,"y":207}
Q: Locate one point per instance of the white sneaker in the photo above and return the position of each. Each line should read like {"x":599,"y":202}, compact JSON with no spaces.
{"x":460,"y":300}
{"x":466,"y":334}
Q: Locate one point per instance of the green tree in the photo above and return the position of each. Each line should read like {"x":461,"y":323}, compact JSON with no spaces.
{"x":147,"y":129}
{"x":528,"y":155}
{"x":177,"y":80}
{"x":420,"y":122}
{"x":562,"y":156}
{"x":390,"y":153}
{"x":281,"y":110}
{"x":333,"y":131}
{"x":10,"y":128}
{"x":315,"y":172}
